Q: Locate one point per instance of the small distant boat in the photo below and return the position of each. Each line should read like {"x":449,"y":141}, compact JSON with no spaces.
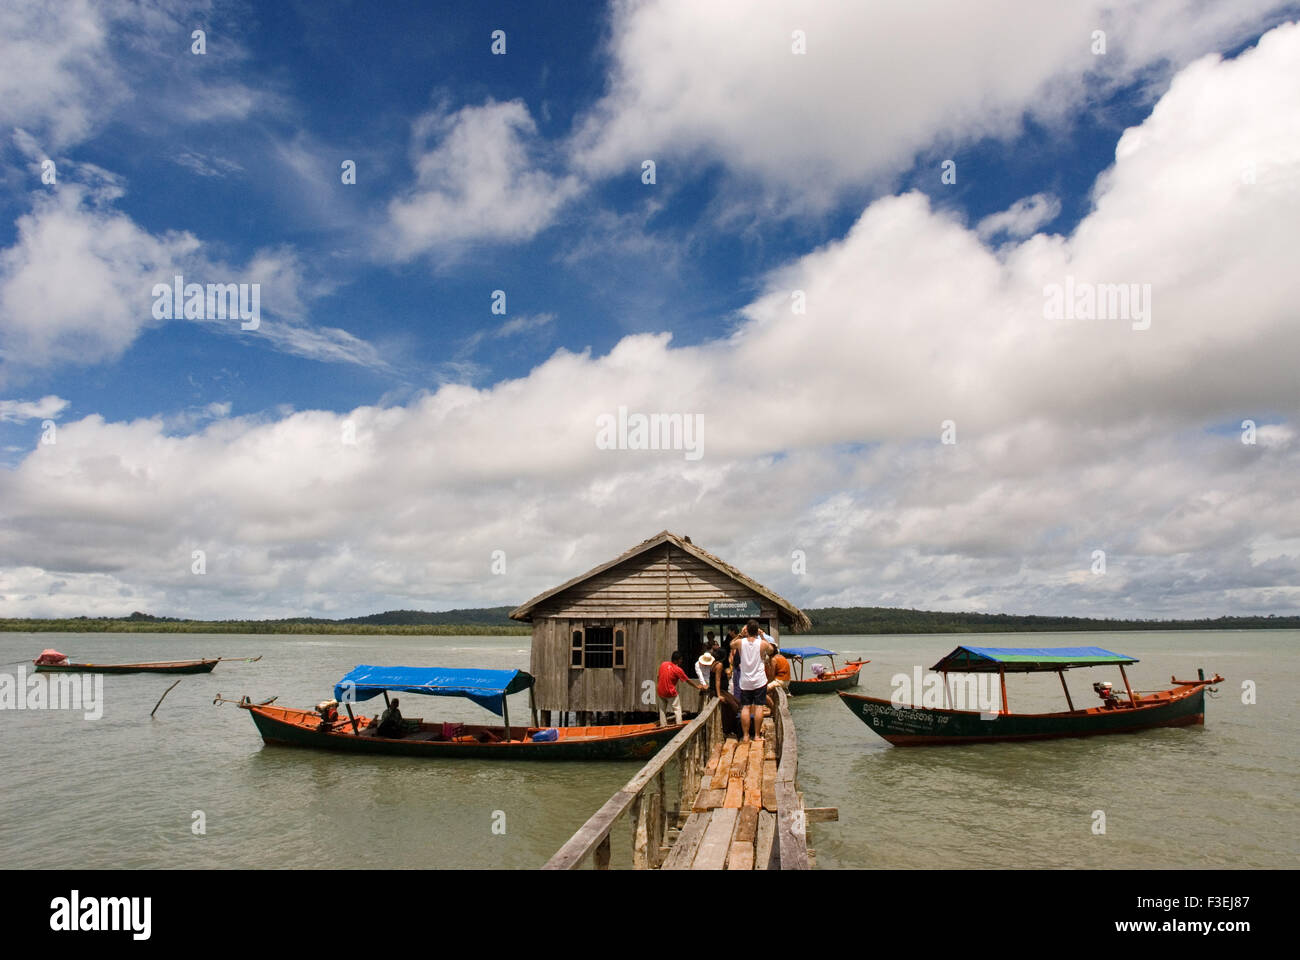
{"x":323,"y":729}
{"x":53,"y":662}
{"x":911,"y":726}
{"x":833,"y":679}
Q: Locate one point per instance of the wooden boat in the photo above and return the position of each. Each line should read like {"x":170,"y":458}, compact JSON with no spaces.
{"x":282,"y":726}
{"x":909,"y":726}
{"x":165,"y":666}
{"x":835,"y":679}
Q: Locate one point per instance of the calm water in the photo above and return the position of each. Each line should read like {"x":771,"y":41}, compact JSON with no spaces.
{"x":122,"y":791}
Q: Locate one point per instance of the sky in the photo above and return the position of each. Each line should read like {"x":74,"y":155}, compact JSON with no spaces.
{"x":986,"y":307}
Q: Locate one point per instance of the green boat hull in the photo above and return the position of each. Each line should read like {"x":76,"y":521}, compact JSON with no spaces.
{"x":922,"y":726}
{"x":639,"y":746}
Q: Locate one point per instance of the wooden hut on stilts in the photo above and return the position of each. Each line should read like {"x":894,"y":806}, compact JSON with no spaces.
{"x":598,"y":639}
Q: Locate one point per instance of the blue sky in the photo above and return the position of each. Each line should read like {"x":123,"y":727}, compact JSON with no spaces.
{"x":522,"y":172}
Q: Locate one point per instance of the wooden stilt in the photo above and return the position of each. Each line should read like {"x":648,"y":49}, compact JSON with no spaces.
{"x":1002,"y":672}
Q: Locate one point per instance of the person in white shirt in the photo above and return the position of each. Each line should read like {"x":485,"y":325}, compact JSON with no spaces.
{"x":704,"y":665}
{"x":752,"y":652}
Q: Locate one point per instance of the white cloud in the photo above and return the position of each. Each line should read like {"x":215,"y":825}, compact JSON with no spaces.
{"x":18,"y":411}
{"x":1020,"y":219}
{"x":476,"y":181}
{"x":76,"y":286}
{"x":57,"y":75}
{"x":821,"y":428}
{"x":879,"y":82}
{"x":207,"y":166}
{"x":71,"y":67}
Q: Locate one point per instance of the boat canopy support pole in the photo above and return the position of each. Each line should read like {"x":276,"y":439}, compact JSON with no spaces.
{"x":945,"y":690}
{"x":1061,"y":674}
{"x":505,"y":715}
{"x":1002,"y":672}
{"x":348,"y":707}
{"x":386,"y":701}
{"x":1132,"y":699}
{"x":532,"y":706}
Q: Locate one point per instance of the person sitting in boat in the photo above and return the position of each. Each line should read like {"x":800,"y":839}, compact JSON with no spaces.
{"x":818,"y":669}
{"x":390,"y":724}
{"x":1105,"y":690}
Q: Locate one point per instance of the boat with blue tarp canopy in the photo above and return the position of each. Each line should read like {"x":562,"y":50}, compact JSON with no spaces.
{"x":819,"y":680}
{"x":487,"y":688}
{"x":807,"y":652}
{"x":992,"y":721}
{"x":324,"y":728}
{"x":1028,"y":659}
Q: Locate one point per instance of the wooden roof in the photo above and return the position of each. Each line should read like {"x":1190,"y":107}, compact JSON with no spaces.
{"x":797,"y":618}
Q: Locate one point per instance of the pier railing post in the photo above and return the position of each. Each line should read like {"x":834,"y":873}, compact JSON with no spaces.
{"x":645,"y":795}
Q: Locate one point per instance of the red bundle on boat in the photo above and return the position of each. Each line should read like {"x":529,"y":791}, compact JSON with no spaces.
{"x":52,"y":658}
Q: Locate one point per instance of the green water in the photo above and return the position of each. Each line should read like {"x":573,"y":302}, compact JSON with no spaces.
{"x":122,"y":791}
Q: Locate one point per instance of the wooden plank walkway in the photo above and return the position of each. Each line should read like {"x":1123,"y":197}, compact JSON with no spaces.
{"x":733,"y":806}
{"x":732,"y":823}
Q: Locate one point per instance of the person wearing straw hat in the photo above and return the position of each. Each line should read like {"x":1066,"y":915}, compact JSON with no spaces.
{"x":704,"y":665}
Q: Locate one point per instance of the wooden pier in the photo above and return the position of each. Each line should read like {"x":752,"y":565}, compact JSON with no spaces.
{"x":731,"y":806}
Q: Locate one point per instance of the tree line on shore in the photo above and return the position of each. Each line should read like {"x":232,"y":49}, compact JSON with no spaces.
{"x":495,"y":621}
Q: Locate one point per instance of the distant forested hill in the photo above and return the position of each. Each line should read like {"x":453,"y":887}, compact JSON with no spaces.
{"x":851,"y":620}
{"x":496,"y":620}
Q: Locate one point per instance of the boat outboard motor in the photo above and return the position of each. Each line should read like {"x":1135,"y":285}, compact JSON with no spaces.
{"x":329,"y":712}
{"x":1104,"y":689}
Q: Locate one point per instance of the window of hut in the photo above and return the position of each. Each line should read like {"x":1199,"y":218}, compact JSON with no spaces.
{"x":575,"y":659}
{"x":599,"y":647}
{"x":619,"y":649}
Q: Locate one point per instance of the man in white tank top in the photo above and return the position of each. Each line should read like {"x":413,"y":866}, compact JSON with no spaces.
{"x":750,"y":654}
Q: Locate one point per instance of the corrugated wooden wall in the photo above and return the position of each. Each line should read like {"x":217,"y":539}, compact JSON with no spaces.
{"x":645,"y":597}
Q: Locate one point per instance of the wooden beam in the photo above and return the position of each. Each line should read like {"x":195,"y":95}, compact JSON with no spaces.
{"x":763,"y":841}
{"x":1061,"y":674}
{"x":683,"y":852}
{"x":1131,"y":697}
{"x":791,"y":832}
{"x":712,"y":854}
{"x":1002,"y":673}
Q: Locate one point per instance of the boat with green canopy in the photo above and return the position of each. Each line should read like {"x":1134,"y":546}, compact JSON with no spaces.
{"x":818,"y":679}
{"x":907,"y":726}
{"x":324,"y":728}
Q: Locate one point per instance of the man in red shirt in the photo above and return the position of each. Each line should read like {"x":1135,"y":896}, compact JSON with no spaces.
{"x":670,"y":674}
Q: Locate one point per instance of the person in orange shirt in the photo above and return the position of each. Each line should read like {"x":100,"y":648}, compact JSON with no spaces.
{"x":780,"y":669}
